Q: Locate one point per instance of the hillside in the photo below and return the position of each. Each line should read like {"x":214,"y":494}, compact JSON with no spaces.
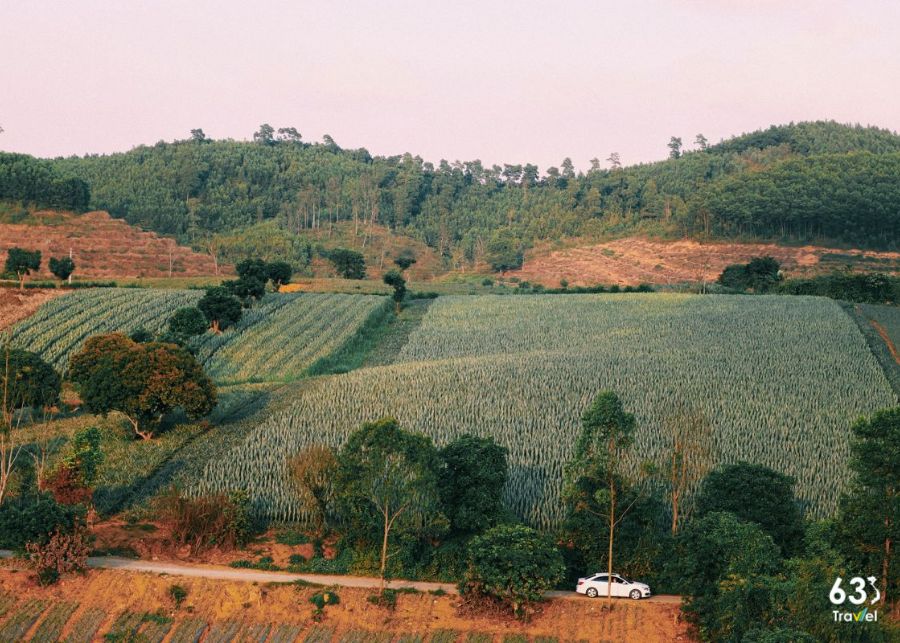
{"x":633,"y":260}
{"x":822,"y":183}
{"x":102,"y":247}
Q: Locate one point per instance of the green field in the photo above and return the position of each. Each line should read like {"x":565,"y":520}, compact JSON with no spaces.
{"x":277,"y":340}
{"x":780,"y":379}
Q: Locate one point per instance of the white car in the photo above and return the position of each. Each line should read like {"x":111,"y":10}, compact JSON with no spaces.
{"x":596,"y":585}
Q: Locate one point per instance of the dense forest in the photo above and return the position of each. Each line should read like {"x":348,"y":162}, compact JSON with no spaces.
{"x":808,"y":182}
{"x":28,"y":180}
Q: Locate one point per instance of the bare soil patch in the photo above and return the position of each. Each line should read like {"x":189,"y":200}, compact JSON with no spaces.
{"x":633,"y":260}
{"x":103,"y":247}
{"x":16,"y":305}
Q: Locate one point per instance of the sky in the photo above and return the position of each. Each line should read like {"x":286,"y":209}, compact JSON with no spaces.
{"x":512,"y":82}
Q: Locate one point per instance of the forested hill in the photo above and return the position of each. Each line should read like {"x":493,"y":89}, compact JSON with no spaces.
{"x":816,"y":182}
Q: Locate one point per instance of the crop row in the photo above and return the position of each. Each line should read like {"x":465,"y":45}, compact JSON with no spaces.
{"x":780,"y":380}
{"x":61,"y":326}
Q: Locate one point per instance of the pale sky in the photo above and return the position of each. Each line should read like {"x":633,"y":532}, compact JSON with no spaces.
{"x":514,"y":82}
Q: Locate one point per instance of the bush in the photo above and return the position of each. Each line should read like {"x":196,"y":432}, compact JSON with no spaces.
{"x":33,"y":518}
{"x":188,"y":322}
{"x":512,"y":564}
{"x":387,"y":599}
{"x":61,"y":554}
{"x":220,"y":520}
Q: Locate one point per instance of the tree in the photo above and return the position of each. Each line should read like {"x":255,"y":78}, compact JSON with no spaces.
{"x":246,"y":289}
{"x":62,"y":268}
{"x":727,"y":569}
{"x":395,"y":280}
{"x":389,"y":477}
{"x":25,"y":381}
{"x":674,"y":147}
{"x":405,"y":259}
{"x":504,"y":251}
{"x":264,"y":135}
{"x":349,"y":263}
{"x":701,"y":142}
{"x":615,"y":161}
{"x":513,"y":564}
{"x":756,"y":494}
{"x":252,"y":269}
{"x":689,"y":459}
{"x":188,"y":322}
{"x":869,"y":524}
{"x":472,"y":484}
{"x":22,"y":263}
{"x":313,"y":472}
{"x":74,"y":479}
{"x":279,"y":273}
{"x":220,"y":308}
{"x":289,"y":135}
{"x":198,"y":136}
{"x":144,"y":382}
{"x":607,"y":433}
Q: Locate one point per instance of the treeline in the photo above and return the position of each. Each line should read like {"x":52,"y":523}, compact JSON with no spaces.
{"x":809,"y":182}
{"x":36,"y":183}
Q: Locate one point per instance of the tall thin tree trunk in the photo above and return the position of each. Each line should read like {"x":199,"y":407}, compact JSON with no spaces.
{"x":384,"y":549}
{"x":612,"y":528}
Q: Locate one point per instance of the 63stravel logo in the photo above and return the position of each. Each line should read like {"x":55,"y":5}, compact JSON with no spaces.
{"x":838,"y":596}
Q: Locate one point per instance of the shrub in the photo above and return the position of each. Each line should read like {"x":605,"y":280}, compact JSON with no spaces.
{"x":33,"y":518}
{"x":188,"y":322}
{"x":386,"y":599}
{"x":514,"y":565}
{"x":220,"y":520}
{"x":62,"y":553}
{"x":322,"y":599}
{"x":178,"y":594}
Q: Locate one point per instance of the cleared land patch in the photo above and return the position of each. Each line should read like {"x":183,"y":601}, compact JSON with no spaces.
{"x":780,"y":379}
{"x":633,"y":261}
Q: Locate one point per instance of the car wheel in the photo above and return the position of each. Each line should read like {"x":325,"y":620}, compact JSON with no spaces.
{"x":592,"y":592}
{"x":635,"y":594}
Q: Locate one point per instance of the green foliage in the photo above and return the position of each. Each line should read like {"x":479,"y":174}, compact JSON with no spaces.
{"x":757,"y":494}
{"x":872,"y":288}
{"x":188,"y":322}
{"x":38,"y":183}
{"x":145,"y":382}
{"x":512,"y":564}
{"x":33,"y":518}
{"x":522,"y":369}
{"x":221,"y":308}
{"x":86,"y":455}
{"x":395,"y":280}
{"x":62,"y":268}
{"x":869,"y":518}
{"x":759,"y":275}
{"x":727,"y":568}
{"x":21,"y":263}
{"x":26,"y":380}
{"x":279,"y":273}
{"x":405,"y":259}
{"x":387,"y":481}
{"x":348,"y":263}
{"x":505,"y":251}
{"x":472,"y":482}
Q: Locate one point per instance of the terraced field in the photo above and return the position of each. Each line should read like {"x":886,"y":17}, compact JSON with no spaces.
{"x":780,"y":379}
{"x":277,"y":340}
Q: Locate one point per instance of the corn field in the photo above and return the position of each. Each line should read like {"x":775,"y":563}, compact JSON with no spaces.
{"x":278,"y":339}
{"x":284,"y":335}
{"x":61,"y":326}
{"x":780,"y":379}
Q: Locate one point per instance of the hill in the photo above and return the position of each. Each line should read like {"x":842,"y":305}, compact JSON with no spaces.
{"x":102,"y":247}
{"x":822,"y":183}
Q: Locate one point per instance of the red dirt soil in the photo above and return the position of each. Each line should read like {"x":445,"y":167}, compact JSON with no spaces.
{"x":633,"y":261}
{"x":19,"y":304}
{"x":102,"y":247}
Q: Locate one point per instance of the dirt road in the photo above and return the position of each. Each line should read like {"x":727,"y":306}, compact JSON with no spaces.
{"x":257,"y":576}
